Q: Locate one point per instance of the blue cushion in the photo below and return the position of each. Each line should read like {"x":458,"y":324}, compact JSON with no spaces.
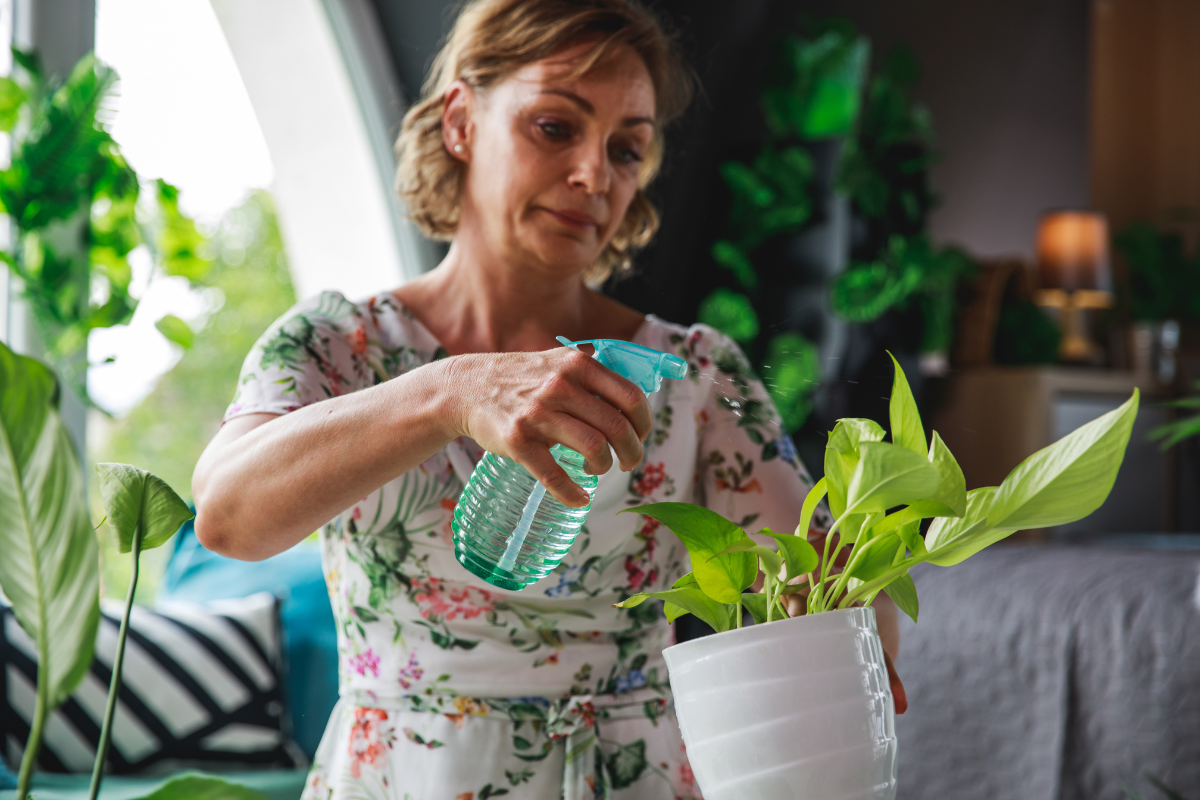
{"x":310,"y":637}
{"x":7,"y":779}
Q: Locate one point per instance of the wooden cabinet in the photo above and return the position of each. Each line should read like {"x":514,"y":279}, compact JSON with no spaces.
{"x":992,"y":418}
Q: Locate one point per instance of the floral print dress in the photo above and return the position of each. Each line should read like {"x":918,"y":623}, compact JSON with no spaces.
{"x":453,"y":689}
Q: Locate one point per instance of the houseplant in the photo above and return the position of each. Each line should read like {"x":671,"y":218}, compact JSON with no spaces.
{"x":50,"y":572}
{"x":801,"y":707}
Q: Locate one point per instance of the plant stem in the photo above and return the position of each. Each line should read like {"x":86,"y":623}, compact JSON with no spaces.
{"x":767,"y":590}
{"x":739,"y":612}
{"x":814,"y":597}
{"x":34,"y":742}
{"x":115,"y":684}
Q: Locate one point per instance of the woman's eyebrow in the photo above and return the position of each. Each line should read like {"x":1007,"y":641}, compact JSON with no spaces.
{"x":590,"y":109}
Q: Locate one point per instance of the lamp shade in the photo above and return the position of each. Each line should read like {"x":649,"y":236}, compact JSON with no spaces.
{"x":1072,"y":251}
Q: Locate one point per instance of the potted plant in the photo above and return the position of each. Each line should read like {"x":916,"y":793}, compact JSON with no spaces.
{"x":801,"y":707}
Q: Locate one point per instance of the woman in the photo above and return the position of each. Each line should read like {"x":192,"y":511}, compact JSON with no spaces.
{"x":531,"y":151}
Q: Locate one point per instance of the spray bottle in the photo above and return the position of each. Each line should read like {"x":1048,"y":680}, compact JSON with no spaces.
{"x":506,"y":531}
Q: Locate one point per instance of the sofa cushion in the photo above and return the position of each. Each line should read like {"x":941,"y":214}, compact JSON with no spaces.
{"x":198,"y":575}
{"x":201,"y":686}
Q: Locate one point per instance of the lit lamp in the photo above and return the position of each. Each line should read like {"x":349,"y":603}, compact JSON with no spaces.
{"x":1072,"y":254}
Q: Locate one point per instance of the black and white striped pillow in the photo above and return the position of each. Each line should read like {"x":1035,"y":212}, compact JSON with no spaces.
{"x":201,"y":687}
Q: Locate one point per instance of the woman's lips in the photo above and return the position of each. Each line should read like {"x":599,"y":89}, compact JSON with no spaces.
{"x":573,"y":219}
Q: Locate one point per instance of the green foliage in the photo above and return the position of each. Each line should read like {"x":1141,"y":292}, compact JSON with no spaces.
{"x":731,"y":313}
{"x":909,"y":267}
{"x":791,"y":371}
{"x":196,"y":786}
{"x":145,"y":513}
{"x":1172,"y":433}
{"x":48,"y":571}
{"x":143,"y":510}
{"x":865,"y":478}
{"x":1025,"y":335}
{"x":1163,"y":281}
{"x":250,"y":286}
{"x":74,"y":202}
{"x":815,"y":85}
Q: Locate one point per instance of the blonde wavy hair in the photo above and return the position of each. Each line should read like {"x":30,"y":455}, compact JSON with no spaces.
{"x":491,"y":40}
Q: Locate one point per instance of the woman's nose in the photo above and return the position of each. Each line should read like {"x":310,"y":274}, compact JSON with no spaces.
{"x":591,"y":171}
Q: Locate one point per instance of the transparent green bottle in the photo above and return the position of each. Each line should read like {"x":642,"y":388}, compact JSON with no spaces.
{"x":506,"y":530}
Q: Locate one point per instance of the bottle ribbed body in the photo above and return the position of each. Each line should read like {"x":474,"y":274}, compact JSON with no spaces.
{"x":490,"y":507}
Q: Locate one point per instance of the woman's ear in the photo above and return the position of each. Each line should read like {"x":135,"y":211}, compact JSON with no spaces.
{"x":457,"y":126}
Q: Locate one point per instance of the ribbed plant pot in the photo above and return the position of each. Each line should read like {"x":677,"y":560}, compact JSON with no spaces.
{"x":799,"y":709}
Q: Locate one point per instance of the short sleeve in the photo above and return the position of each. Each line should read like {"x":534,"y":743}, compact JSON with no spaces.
{"x":749,"y":471}
{"x":314,"y":351}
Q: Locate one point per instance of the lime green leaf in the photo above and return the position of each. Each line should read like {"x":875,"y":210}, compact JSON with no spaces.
{"x":770,"y":561}
{"x":705,"y":534}
{"x":202,"y":787}
{"x":841,"y":457}
{"x":176,"y":330}
{"x":910,"y":534}
{"x":904,"y":594}
{"x":694,"y":601}
{"x":907,"y":430}
{"x":686,"y":580}
{"x":138,"y":501}
{"x":673,"y":612}
{"x":1069,"y":479}
{"x":49,"y":569}
{"x":952,"y":491}
{"x":875,"y":557}
{"x":951,"y":540}
{"x":799,"y":556}
{"x":756,"y":604}
{"x":809,"y":508}
{"x":888,"y":475}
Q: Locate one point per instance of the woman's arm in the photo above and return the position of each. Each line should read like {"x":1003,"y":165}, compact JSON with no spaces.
{"x":265,"y":482}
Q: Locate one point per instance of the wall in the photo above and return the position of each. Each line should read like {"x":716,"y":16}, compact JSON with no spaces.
{"x":1007,"y":84}
{"x":1145,"y":107}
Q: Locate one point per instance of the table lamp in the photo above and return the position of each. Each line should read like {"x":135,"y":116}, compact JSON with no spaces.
{"x":1073,"y":266}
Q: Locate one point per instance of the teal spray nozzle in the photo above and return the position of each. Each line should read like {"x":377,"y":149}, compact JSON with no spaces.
{"x":489,"y":535}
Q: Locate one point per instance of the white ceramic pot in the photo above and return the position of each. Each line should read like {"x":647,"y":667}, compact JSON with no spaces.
{"x":799,"y":709}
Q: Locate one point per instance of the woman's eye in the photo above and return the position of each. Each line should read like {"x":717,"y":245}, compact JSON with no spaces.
{"x":555,"y":130}
{"x":624,"y":155}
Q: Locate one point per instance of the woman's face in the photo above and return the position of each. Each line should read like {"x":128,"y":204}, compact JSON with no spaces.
{"x":553,"y":162}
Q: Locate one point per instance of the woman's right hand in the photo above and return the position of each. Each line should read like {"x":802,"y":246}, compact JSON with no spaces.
{"x":520,"y":404}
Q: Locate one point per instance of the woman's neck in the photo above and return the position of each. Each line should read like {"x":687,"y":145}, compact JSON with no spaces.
{"x":471,"y":306}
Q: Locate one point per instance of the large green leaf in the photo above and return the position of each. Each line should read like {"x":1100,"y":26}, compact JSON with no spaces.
{"x":888,"y":475}
{"x":799,"y":556}
{"x":841,"y":457}
{"x":951,"y":540}
{"x":770,"y":562}
{"x":907,"y":430}
{"x":756,"y":604}
{"x":202,"y":787}
{"x":950,"y":500}
{"x":875,"y":557}
{"x":49,"y":569}
{"x":705,"y":534}
{"x":904,"y":594}
{"x":133,"y":498}
{"x":716,"y":615}
{"x":811,"y":500}
{"x":1069,"y":479}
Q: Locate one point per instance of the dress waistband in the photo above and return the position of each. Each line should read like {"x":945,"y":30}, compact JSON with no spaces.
{"x":575,"y":721}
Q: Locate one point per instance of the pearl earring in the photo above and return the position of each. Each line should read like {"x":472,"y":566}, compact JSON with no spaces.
{"x":458,"y":148}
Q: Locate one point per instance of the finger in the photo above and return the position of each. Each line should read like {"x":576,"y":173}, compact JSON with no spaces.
{"x":622,"y":394}
{"x":542,"y":466}
{"x":614,"y":425}
{"x":899,"y":696}
{"x":582,"y":438}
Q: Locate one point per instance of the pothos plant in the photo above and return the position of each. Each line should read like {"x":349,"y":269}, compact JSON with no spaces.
{"x":879,"y":493}
{"x":50,"y":571}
